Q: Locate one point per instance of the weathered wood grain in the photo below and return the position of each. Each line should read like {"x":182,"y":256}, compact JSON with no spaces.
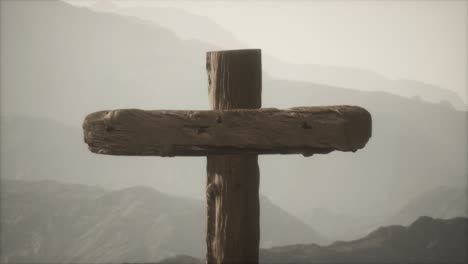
{"x":233,"y":209}
{"x":304,"y":130}
{"x":234,"y":79}
{"x":232,"y":182}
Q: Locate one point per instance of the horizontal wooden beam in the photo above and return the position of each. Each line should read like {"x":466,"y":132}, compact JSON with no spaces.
{"x":301,"y":130}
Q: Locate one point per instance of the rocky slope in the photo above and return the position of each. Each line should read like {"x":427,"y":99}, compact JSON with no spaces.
{"x":52,"y":222}
{"x":426,"y":240}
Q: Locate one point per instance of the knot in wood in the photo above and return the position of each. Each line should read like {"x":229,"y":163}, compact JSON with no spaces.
{"x":212,"y":190}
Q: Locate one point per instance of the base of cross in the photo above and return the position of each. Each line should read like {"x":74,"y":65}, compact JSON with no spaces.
{"x":231,"y":135}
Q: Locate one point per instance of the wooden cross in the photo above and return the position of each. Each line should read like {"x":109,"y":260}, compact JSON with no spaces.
{"x":231,"y":135}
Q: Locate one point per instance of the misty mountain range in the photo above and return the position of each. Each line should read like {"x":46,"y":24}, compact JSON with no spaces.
{"x":426,"y":240}
{"x":441,"y":203}
{"x":52,"y":222}
{"x":190,"y":26}
{"x":47,"y":221}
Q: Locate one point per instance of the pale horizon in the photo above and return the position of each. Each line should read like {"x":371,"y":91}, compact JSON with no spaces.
{"x":374,"y":41}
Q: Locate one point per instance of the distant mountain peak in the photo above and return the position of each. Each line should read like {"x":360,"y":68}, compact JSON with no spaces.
{"x":137,"y":224}
{"x":105,"y":5}
{"x":140,"y":189}
{"x":427,"y":240}
{"x":386,"y":232}
{"x":423,"y":221}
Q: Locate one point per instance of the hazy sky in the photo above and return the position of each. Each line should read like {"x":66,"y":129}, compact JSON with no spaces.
{"x":418,"y":40}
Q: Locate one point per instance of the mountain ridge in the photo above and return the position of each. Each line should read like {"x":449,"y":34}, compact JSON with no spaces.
{"x":442,"y":202}
{"x":426,"y":240}
{"x":204,"y":29}
{"x":77,"y":223}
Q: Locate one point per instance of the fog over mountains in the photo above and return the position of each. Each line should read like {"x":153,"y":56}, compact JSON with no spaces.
{"x":59,"y":62}
{"x":51,"y":222}
{"x":190,"y":26}
{"x":425,"y":240}
{"x":440,"y":203}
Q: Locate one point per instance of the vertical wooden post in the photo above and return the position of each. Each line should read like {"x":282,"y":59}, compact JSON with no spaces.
{"x":233,"y":228}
